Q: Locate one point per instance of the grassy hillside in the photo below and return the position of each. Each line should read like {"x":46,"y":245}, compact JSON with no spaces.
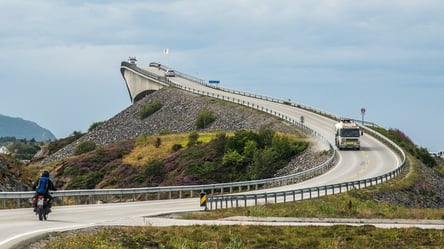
{"x":178,"y":159}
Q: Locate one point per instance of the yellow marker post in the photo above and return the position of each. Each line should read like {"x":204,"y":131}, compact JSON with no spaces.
{"x":203,"y":200}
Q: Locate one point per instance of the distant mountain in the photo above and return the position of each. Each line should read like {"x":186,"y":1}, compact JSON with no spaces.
{"x":23,"y":129}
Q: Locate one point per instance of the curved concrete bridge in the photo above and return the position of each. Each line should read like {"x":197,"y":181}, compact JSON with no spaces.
{"x":140,"y":81}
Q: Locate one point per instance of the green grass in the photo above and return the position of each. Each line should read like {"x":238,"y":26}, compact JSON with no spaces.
{"x":240,"y":237}
{"x":337,"y":206}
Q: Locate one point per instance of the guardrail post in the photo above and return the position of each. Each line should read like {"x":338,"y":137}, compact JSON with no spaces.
{"x":255,"y":200}
{"x":158,"y":195}
{"x":18,"y":202}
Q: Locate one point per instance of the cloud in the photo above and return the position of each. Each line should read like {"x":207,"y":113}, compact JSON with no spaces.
{"x":72,"y":45}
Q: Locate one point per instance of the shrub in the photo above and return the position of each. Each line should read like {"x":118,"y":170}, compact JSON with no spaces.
{"x":192,"y":138}
{"x":154,"y":169}
{"x":94,"y":125}
{"x":85,"y":146}
{"x":176,"y":147}
{"x":205,"y":118}
{"x":147,"y":110}
{"x":157,"y":142}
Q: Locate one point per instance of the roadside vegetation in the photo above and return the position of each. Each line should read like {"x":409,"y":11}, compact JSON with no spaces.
{"x":218,"y":156}
{"x":60,"y":143}
{"x":407,"y":144}
{"x":177,"y":159}
{"x":243,"y":237}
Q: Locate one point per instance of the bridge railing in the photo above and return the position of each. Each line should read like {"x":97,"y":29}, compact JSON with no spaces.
{"x":258,"y":96}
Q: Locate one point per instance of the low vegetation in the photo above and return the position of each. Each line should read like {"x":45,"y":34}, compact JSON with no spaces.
{"x":95,"y":125}
{"x":146,"y":111}
{"x":177,"y":159}
{"x":205,"y":118}
{"x":407,"y":144}
{"x":243,"y":237}
{"x":84,"y":146}
{"x":60,"y":143}
{"x":356,"y":204}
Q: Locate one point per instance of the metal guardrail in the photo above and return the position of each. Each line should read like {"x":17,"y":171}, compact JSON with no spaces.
{"x":311,"y":192}
{"x":92,"y":195}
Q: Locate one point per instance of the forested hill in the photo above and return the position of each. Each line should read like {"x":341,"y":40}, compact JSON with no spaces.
{"x":23,"y":129}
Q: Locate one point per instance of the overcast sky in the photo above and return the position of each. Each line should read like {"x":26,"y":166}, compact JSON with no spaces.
{"x":60,"y":60}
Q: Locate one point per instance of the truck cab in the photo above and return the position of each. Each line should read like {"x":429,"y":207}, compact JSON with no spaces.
{"x":347,"y":135}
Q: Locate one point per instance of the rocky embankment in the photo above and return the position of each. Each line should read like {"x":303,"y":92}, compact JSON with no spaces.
{"x":426,"y":192}
{"x":10,"y":179}
{"x":179,"y":112}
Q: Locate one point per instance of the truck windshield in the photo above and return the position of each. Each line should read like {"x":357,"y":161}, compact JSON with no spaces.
{"x":352,"y":132}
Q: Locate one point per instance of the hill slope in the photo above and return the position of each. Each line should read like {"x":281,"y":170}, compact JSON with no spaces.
{"x":23,"y":129}
{"x":178,"y":113}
